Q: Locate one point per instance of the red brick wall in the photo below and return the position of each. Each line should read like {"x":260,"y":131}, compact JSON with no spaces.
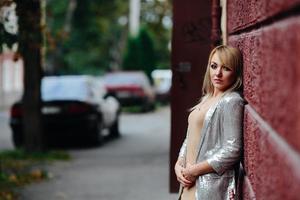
{"x":268,"y":33}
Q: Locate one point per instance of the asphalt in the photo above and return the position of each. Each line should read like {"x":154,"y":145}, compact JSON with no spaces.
{"x":133,"y":167}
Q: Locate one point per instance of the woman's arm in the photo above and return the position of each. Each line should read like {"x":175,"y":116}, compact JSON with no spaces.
{"x":191,"y":172}
{"x":180,"y":164}
{"x":231,"y":149}
{"x":178,"y":171}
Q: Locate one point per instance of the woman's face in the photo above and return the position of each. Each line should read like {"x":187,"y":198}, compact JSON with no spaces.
{"x":221,"y":76}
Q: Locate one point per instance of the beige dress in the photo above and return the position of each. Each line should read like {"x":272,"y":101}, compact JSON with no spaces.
{"x":195,"y":123}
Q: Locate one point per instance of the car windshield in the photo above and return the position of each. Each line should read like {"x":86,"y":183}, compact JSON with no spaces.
{"x":125,"y":79}
{"x":65,"y":88}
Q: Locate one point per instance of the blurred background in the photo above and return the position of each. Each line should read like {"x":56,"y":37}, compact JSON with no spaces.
{"x":77,"y":76}
{"x":93,"y":37}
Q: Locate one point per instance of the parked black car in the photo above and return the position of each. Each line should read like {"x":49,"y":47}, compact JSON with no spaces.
{"x":72,"y":106}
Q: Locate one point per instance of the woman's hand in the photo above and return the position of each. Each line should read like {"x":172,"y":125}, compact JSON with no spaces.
{"x":189,"y":172}
{"x":182,"y":180}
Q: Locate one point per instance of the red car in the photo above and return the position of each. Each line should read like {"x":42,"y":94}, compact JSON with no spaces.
{"x":131,"y":88}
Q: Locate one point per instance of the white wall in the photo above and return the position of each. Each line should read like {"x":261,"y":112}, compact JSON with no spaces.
{"x":11,"y":80}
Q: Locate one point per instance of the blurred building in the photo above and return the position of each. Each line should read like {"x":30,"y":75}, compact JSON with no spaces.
{"x":11,"y":79}
{"x":11,"y":67}
{"x":267,"y":32}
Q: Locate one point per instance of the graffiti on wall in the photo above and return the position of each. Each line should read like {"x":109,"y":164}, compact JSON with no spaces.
{"x":196,"y":31}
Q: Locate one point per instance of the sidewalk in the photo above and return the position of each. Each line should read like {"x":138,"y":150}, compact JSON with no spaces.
{"x":7,"y":99}
{"x":5,"y":131}
{"x":134,"y":167}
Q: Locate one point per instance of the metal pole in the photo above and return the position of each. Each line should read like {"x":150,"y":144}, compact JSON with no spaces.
{"x":134,"y":16}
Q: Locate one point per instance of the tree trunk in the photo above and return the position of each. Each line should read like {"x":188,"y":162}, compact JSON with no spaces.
{"x":69,"y":15}
{"x":31,"y":49}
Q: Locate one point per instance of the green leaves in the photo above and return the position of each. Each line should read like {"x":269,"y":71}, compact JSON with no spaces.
{"x":94,"y":34}
{"x":98,"y":37}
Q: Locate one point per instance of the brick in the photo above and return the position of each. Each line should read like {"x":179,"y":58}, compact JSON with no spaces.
{"x":243,"y":14}
{"x":271,"y":75}
{"x":271,"y":164}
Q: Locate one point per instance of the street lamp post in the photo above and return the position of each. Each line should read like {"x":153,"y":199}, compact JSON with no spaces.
{"x":134,"y":16}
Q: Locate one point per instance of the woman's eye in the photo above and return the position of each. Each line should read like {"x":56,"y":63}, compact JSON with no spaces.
{"x":213,"y":66}
{"x":227,"y":69}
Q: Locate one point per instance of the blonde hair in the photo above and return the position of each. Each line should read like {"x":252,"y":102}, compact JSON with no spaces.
{"x":230,"y":57}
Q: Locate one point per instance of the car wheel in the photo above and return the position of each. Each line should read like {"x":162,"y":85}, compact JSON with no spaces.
{"x":114,"y":131}
{"x":17,"y":139}
{"x":148,"y":106}
{"x":97,"y":137}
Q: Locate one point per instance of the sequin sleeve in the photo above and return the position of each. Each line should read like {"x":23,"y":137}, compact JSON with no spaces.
{"x":182,"y":151}
{"x":231,"y":146}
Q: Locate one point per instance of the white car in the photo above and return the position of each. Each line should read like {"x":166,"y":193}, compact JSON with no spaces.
{"x":162,"y":79}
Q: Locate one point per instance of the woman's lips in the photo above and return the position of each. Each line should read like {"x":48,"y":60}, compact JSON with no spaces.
{"x":218,"y":80}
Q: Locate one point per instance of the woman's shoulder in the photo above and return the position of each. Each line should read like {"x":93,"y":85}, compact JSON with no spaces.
{"x":233,"y":98}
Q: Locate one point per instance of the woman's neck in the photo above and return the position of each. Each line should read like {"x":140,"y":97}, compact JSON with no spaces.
{"x":217,"y":93}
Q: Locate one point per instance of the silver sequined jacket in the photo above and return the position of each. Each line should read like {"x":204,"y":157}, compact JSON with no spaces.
{"x":221,"y":146}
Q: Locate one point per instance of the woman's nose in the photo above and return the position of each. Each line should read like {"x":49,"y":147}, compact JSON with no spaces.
{"x":219,"y":72}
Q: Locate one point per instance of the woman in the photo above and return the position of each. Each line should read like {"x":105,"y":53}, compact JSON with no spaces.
{"x":208,"y":159}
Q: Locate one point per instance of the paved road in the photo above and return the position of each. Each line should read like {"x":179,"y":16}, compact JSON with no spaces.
{"x":134,"y":167}
{"x":5,"y":133}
